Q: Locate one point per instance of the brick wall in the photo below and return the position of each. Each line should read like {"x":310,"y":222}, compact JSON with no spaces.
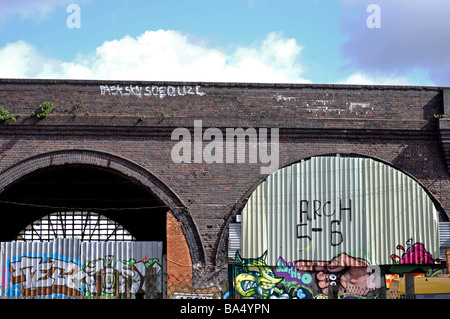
{"x":135,"y":120}
{"x":179,"y":265}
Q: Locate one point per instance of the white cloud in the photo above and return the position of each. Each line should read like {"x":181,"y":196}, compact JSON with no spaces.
{"x":20,"y":60}
{"x":163,"y":55}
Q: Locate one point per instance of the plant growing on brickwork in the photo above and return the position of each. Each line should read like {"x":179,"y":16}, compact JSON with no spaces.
{"x":78,"y":108}
{"x":163,"y":114}
{"x":5,"y":115}
{"x":44,"y":110}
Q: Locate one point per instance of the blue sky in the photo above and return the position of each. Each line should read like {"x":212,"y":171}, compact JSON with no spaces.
{"x":295,"y":41}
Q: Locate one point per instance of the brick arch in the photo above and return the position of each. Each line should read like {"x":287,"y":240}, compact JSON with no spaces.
{"x":221,"y":251}
{"x":119,"y":164}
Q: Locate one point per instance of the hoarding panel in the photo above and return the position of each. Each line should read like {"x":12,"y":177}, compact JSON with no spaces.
{"x":68,"y":268}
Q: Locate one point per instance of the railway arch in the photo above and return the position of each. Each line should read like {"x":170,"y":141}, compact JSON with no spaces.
{"x":121,"y":133}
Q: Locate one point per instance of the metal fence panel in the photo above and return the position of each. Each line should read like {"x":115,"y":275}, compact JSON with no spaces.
{"x":444,"y":237}
{"x":68,"y":268}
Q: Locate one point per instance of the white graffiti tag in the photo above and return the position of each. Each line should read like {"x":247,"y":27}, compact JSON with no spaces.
{"x":103,"y":276}
{"x":153,"y":90}
{"x":37,"y":276}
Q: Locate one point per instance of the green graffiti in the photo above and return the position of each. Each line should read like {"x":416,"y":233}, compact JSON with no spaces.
{"x":108,"y":276}
{"x":255,"y":279}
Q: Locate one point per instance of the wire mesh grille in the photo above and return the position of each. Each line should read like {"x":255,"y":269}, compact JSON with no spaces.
{"x":87,"y":226}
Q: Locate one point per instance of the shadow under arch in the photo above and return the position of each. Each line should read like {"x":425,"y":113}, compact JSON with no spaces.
{"x":221,"y":252}
{"x":126,"y":167}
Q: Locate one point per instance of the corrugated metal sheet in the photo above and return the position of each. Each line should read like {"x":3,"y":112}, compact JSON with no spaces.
{"x":320,"y":208}
{"x":68,"y":268}
{"x":444,"y":237}
{"x":234,"y":239}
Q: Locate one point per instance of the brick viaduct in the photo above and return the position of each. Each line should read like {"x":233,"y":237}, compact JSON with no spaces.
{"x":126,"y":127}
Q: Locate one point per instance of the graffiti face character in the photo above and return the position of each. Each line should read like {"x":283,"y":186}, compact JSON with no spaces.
{"x":346,"y":272}
{"x":256,"y":279}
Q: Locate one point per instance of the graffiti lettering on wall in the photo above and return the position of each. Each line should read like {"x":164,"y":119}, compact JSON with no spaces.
{"x":311,"y":214}
{"x":110,"y":276}
{"x":58,"y":276}
{"x":291,"y":273}
{"x":153,"y":90}
{"x":32,"y":276}
{"x":353,"y":277}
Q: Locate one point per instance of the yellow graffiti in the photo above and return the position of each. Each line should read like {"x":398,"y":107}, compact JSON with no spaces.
{"x":245,"y":286}
{"x":258,"y":278}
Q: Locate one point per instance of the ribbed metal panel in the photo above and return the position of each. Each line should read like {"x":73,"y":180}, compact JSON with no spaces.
{"x":444,"y":237}
{"x":68,"y":268}
{"x":320,"y":208}
{"x":234,"y":239}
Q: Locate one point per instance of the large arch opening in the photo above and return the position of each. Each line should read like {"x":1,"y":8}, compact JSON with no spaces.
{"x":120,"y":189}
{"x":98,"y":209}
{"x":67,"y":199}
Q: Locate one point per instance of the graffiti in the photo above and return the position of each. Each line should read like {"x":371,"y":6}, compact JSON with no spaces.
{"x":415,"y":254}
{"x":255,"y":279}
{"x":111,"y":277}
{"x":310,"y":211}
{"x":53,"y":275}
{"x":349,"y":274}
{"x":290,"y":272}
{"x":343,"y":277}
{"x":153,"y":90}
{"x":353,"y":277}
{"x":31,"y":276}
{"x":324,"y":106}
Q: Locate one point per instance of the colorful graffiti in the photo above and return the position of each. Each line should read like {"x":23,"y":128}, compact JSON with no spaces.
{"x":44,"y":275}
{"x":291,"y":273}
{"x":255,"y":278}
{"x":111,"y":277}
{"x":345,"y":276}
{"x":57,"y":276}
{"x":302,"y":280}
{"x":415,"y":254}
